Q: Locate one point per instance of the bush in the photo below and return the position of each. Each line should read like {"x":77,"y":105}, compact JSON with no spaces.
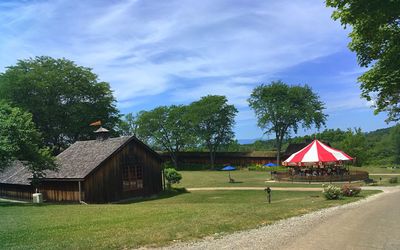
{"x":172,"y":176}
{"x":393,"y":180}
{"x":332,"y":192}
{"x":349,"y":190}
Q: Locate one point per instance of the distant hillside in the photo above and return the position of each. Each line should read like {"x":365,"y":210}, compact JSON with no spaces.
{"x":381,"y":146}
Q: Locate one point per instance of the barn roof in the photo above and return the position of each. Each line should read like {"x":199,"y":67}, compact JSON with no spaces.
{"x":17,"y":173}
{"x":76,"y":162}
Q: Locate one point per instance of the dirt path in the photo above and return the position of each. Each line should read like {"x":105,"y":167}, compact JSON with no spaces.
{"x":255,"y":188}
{"x":275,"y":188}
{"x":386,"y":174}
{"x":372,"y":223}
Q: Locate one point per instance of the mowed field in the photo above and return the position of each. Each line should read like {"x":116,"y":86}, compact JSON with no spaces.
{"x":159,"y":221}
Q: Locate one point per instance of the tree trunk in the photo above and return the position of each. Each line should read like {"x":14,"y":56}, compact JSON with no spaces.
{"x":174,"y":159}
{"x":212,"y":157}
{"x":278,"y":148}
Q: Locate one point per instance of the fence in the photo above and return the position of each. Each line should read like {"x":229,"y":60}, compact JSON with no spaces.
{"x":352,"y":176}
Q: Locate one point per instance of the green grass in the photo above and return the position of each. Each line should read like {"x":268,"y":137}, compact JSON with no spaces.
{"x":243,"y":178}
{"x":150,"y":222}
{"x":377,"y":169}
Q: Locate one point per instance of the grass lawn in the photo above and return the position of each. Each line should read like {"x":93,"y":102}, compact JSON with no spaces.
{"x":149,"y":222}
{"x":243,"y":178}
{"x":377,"y":169}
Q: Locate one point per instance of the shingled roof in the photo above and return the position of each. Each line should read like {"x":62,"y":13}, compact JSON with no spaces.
{"x":82,"y":157}
{"x":76,"y":162}
{"x":17,"y":173}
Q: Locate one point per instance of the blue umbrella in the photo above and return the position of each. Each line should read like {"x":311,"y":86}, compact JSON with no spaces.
{"x":270,"y":164}
{"x":229,"y":168}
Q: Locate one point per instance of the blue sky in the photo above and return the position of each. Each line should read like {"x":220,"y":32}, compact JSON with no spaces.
{"x":173,"y":52}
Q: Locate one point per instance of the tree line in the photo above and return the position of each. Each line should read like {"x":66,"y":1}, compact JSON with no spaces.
{"x":46,"y":103}
{"x":59,"y":99}
{"x":207,"y":123}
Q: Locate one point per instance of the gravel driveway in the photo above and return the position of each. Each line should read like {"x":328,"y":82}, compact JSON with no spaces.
{"x":372,"y":223}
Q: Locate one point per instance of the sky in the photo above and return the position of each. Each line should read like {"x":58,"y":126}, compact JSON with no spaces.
{"x":174,"y":52}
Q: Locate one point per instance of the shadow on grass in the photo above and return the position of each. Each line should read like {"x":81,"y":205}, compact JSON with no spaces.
{"x":162,"y":195}
{"x":17,"y":203}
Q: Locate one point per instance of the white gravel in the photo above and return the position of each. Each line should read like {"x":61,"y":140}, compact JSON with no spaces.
{"x":273,"y":236}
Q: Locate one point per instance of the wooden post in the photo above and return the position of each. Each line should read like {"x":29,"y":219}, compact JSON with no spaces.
{"x":79,"y":187}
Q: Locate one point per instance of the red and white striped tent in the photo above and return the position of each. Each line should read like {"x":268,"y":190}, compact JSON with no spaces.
{"x":316,"y":153}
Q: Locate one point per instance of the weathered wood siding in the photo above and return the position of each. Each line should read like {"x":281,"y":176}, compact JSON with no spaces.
{"x":14,"y":191}
{"x":60,"y":191}
{"x":223,"y":158}
{"x":104,"y":184}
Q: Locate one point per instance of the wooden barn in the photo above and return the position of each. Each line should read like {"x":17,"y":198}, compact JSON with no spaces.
{"x":95,"y":171}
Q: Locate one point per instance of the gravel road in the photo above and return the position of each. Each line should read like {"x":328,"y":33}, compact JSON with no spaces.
{"x":372,"y":223}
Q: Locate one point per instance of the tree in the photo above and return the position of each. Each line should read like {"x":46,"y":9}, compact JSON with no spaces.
{"x":281,"y":108}
{"x":63,"y":98}
{"x":166,"y":127}
{"x":355,"y":145}
{"x":395,"y":136}
{"x":375,"y":38}
{"x":213,"y":120}
{"x":19,"y":140}
{"x":128,"y":125}
{"x":172,"y":177}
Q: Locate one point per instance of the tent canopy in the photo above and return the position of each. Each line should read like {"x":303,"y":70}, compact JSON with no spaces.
{"x":316,"y":153}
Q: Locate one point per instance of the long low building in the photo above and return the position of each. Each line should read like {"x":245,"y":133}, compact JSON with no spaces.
{"x":95,"y":171}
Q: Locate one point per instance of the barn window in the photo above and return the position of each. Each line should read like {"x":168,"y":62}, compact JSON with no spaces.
{"x":132,"y":174}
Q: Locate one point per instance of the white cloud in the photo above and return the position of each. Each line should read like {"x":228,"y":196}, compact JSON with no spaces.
{"x":141,"y":46}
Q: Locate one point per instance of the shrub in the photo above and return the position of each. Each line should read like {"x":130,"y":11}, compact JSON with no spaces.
{"x":332,"y":192}
{"x":350,"y":190}
{"x":172,"y":176}
{"x":393,"y":180}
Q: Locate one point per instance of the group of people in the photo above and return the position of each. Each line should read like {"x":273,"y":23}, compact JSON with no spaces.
{"x":316,"y":171}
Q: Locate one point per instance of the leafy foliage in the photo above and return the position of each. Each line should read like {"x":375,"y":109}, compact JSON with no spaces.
{"x":213,"y":119}
{"x":350,"y":190}
{"x":332,"y":192}
{"x":128,"y":125}
{"x":19,"y":140}
{"x":354,"y":144}
{"x":172,"y":176}
{"x":63,"y":98}
{"x":281,"y":108}
{"x":375,"y":38}
{"x":166,"y":127}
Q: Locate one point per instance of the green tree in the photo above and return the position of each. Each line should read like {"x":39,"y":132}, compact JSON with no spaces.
{"x":167,"y":128}
{"x":354,"y":144}
{"x":128,"y":125}
{"x":63,"y":98}
{"x":19,"y":140}
{"x":213,"y":120}
{"x":172,"y":176}
{"x":375,"y":37}
{"x":395,"y":135}
{"x":281,"y":108}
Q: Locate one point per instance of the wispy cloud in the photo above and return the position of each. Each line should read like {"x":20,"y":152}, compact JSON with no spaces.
{"x":139,"y":46}
{"x":176,"y":50}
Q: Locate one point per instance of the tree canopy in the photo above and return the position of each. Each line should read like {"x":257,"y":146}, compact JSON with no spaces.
{"x":375,"y":38}
{"x":128,"y":125}
{"x":213,"y":120}
{"x":281,"y":108}
{"x":62,"y":97}
{"x":167,"y":128}
{"x":19,"y":140}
